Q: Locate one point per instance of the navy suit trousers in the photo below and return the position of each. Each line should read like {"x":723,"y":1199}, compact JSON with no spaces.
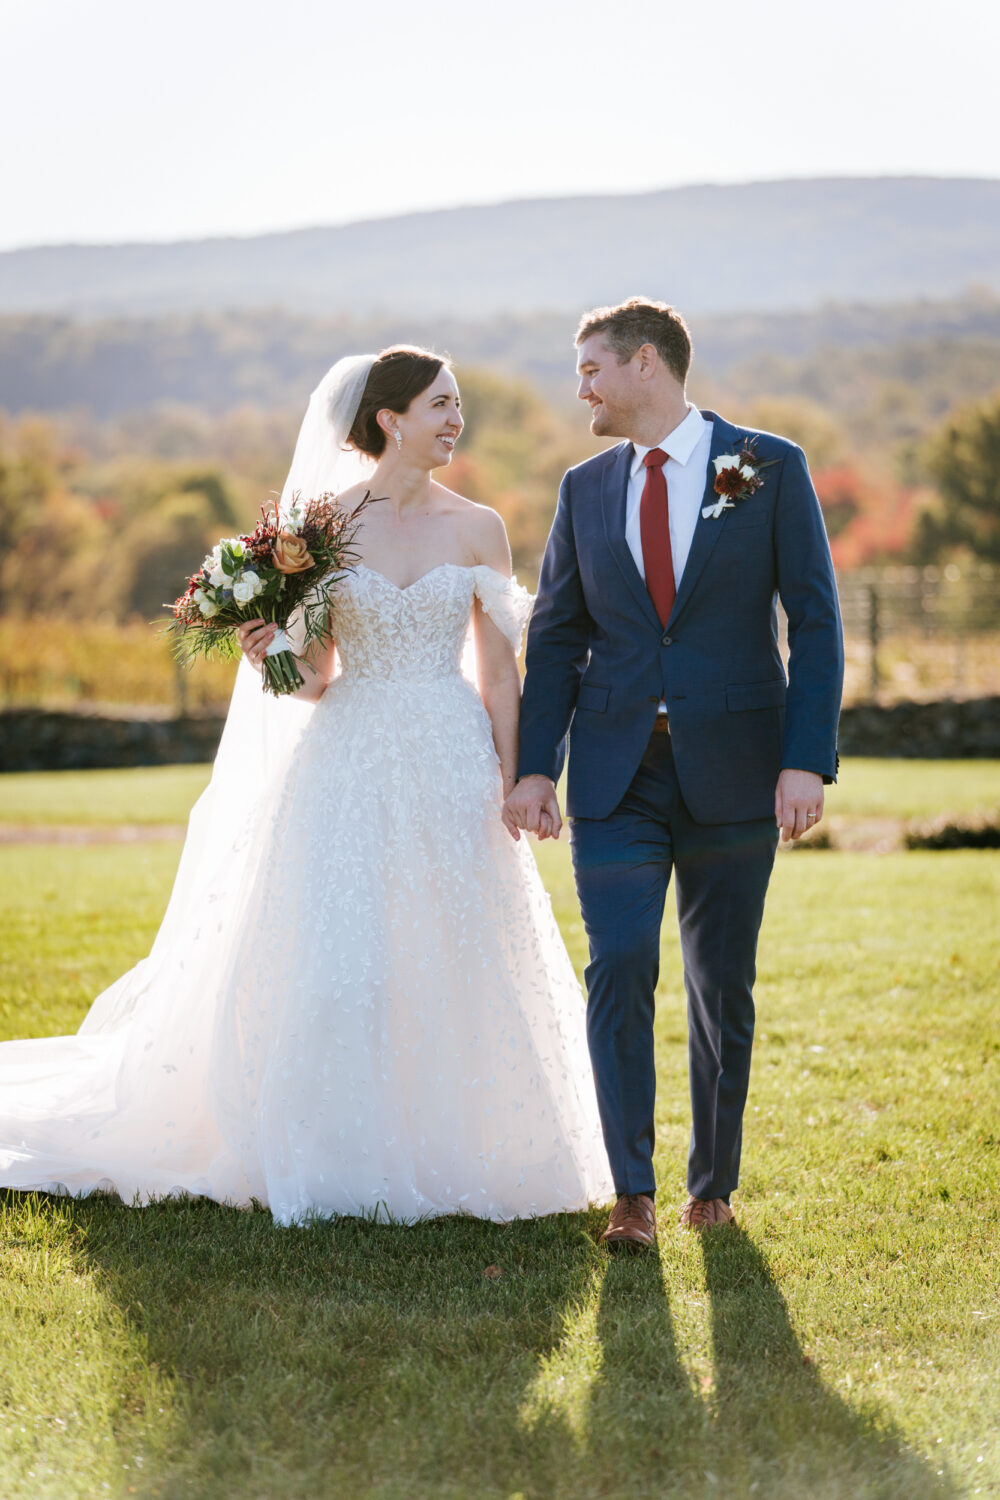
{"x":623,"y":865}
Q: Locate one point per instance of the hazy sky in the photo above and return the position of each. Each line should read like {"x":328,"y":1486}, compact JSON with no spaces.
{"x":170,"y":119}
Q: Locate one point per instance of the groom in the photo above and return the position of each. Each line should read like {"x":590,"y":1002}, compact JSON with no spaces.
{"x":653,"y":645}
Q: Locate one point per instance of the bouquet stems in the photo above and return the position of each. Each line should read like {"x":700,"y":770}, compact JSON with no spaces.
{"x":280,"y":671}
{"x":281,"y":674}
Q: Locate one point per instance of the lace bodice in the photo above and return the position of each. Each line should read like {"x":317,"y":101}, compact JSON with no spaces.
{"x":386,"y":632}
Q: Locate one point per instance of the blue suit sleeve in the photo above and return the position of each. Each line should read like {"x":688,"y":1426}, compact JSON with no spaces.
{"x":557,"y":650}
{"x":807,"y":588}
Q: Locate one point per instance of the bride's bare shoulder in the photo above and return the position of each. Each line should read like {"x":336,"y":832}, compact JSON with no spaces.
{"x":484,"y":534}
{"x":469,"y":512}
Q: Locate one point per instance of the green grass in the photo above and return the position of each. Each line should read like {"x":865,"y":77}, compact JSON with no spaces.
{"x":845,"y":1343}
{"x":913,"y":788}
{"x":72,"y":920}
{"x":164,"y":794}
{"x":143,"y":794}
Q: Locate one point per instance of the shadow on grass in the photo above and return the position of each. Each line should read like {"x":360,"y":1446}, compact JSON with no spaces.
{"x":775,"y":1422}
{"x":354,"y":1358}
{"x":342,"y":1358}
{"x":644,"y":1411}
{"x":765,"y":1424}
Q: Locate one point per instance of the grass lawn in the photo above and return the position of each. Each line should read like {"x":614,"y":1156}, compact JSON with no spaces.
{"x":164,"y":794}
{"x":913,"y":788}
{"x":141,"y":794}
{"x":845,"y":1343}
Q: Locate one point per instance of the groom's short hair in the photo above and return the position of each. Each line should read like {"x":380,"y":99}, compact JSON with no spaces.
{"x":639,"y":321}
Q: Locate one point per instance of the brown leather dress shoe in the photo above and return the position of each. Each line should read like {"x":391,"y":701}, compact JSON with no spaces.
{"x":706,"y":1213}
{"x":633,"y":1223}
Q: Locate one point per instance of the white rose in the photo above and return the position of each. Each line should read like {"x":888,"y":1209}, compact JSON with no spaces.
{"x":726,"y":461}
{"x":747,"y":471}
{"x":206,"y":604}
{"x":217,"y":576}
{"x":246,"y":587}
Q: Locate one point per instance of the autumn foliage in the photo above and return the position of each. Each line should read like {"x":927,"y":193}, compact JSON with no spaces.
{"x":867,"y":521}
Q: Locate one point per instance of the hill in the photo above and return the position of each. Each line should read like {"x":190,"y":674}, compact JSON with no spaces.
{"x":755,"y":247}
{"x":220,"y":361}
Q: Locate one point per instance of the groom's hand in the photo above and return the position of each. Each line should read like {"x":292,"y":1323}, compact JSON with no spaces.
{"x":798,"y":803}
{"x":533,"y":806}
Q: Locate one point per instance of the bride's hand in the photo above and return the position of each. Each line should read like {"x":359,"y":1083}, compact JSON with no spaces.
{"x":255,"y":637}
{"x":534,"y":807}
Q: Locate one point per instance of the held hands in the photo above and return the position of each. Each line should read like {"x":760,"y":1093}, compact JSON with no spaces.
{"x":798,"y":803}
{"x":534,"y":807}
{"x":255,"y":637}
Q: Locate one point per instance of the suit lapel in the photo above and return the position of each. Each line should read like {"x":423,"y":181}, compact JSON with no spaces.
{"x":614,"y":497}
{"x":725,"y":439}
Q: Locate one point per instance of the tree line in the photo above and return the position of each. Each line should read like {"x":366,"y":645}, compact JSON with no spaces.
{"x":880,"y":368}
{"x":105,"y":520}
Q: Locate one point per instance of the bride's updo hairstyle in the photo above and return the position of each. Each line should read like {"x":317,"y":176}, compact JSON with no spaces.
{"x":398,"y":375}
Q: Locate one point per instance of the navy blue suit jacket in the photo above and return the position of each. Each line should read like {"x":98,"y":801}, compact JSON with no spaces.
{"x":598,"y":659}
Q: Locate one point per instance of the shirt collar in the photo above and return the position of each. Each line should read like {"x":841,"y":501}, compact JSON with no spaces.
{"x":679,"y":444}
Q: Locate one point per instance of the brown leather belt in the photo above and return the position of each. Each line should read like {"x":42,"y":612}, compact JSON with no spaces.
{"x":662,"y":724}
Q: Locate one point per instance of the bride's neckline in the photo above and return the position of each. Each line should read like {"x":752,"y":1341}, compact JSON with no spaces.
{"x":404,"y":588}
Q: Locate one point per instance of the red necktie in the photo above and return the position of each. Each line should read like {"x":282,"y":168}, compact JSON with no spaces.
{"x":654,"y":532}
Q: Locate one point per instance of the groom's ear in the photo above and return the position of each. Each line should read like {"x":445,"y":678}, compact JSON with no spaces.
{"x":648,"y":361}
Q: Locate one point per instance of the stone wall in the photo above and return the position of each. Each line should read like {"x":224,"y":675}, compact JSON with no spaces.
{"x":949,"y":730}
{"x":36,"y":740}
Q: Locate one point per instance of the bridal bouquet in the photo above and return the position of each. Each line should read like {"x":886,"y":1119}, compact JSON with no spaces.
{"x":268,"y":575}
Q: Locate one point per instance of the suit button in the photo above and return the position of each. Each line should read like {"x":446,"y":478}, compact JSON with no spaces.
{"x":667,"y":640}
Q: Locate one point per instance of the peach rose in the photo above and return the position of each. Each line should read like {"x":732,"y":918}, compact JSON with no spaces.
{"x":290,"y":553}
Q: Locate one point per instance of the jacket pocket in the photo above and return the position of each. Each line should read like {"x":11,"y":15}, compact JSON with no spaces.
{"x":744,"y":695}
{"x":741,"y":519}
{"x":593,"y":698}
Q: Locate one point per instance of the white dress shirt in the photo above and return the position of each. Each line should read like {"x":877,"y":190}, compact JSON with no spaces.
{"x":685,"y":471}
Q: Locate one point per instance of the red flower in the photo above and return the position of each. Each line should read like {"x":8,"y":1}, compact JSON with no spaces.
{"x":731,"y":483}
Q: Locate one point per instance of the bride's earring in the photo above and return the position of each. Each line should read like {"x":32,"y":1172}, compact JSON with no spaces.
{"x":399,"y":439}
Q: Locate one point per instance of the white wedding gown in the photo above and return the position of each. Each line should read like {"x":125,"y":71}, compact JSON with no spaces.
{"x":375,"y":1014}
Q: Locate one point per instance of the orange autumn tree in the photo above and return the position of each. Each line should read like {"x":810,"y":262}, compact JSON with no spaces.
{"x":869,"y":520}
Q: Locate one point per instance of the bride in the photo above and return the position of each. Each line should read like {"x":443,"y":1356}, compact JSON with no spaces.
{"x":358,"y":1001}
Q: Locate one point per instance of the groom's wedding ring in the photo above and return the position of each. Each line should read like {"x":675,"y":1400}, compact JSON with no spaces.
{"x":810,"y":815}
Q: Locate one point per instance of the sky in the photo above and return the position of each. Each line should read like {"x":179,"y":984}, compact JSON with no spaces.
{"x":124,"y":120}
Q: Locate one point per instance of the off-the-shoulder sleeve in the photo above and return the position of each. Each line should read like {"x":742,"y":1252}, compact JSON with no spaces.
{"x":505,"y":601}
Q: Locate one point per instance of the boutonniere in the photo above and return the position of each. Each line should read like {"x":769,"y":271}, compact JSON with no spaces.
{"x":737,"y":477}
